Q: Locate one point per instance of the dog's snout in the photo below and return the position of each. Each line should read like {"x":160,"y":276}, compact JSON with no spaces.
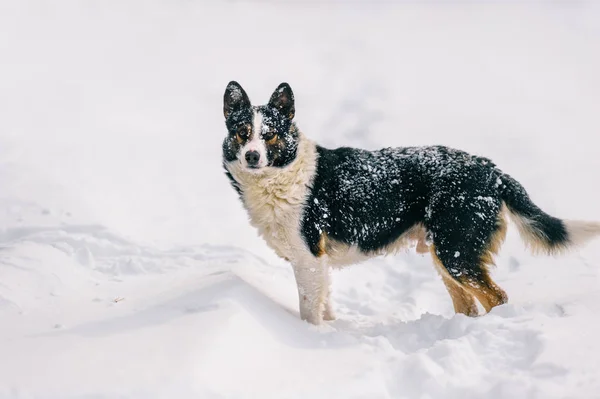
{"x":252,"y":157}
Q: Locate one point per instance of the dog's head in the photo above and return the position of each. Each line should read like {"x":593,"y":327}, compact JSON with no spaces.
{"x":263,"y":136}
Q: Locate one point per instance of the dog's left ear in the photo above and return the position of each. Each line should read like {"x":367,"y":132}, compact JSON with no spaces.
{"x":282,"y":100}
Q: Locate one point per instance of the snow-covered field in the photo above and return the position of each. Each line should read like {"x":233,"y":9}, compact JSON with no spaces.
{"x":128,"y":268}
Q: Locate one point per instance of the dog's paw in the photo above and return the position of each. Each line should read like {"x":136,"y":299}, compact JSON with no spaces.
{"x":328,"y":316}
{"x":328,"y":313}
{"x":311,"y":317}
{"x":313,"y":320}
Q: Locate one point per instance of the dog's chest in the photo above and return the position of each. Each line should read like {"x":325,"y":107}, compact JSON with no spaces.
{"x":275,"y":201}
{"x":276,"y":213}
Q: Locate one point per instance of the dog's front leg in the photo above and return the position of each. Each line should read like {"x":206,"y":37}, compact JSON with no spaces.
{"x":312,"y":279}
{"x":328,"y":313}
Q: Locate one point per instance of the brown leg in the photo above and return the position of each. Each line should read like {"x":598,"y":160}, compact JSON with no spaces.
{"x":486,"y":291}
{"x":483,"y":287}
{"x":466,"y":263}
{"x":463,"y":301}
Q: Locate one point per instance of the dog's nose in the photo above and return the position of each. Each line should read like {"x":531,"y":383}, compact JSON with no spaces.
{"x":252,"y":157}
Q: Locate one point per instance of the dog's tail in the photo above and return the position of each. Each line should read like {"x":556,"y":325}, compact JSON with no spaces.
{"x":540,"y":231}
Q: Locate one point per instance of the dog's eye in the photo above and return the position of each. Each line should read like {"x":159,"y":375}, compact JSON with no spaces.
{"x":270,"y":136}
{"x":242,"y":132}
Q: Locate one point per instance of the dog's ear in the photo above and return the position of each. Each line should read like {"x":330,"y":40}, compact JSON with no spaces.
{"x":282,"y":100}
{"x":234,"y":98}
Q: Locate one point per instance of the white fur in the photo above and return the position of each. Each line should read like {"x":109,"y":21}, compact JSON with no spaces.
{"x":340,"y":255}
{"x":256,"y":143}
{"x":275,"y":199}
{"x":533,"y":237}
{"x":581,"y":232}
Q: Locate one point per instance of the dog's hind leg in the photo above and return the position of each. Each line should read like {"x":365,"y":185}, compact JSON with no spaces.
{"x":467,"y":279}
{"x":486,"y":291}
{"x":463,"y":300}
{"x":463,"y":250}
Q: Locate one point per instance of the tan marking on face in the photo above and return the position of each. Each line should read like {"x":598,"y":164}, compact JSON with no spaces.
{"x":273,"y":140}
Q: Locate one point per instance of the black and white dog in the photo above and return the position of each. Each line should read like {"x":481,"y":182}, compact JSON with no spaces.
{"x":320,"y":208}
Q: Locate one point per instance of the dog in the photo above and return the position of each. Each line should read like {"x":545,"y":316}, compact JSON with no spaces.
{"x":322,"y":208}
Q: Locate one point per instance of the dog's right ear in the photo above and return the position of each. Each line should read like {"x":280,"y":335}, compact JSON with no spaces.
{"x":235,"y":98}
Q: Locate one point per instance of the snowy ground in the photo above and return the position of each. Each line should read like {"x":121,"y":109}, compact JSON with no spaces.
{"x":127,"y":266}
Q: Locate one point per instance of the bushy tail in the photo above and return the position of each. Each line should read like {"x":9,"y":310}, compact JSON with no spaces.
{"x":540,"y":231}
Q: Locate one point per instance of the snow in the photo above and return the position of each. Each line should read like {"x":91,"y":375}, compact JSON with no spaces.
{"x":128,"y":268}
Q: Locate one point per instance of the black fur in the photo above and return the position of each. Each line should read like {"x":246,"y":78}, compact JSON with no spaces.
{"x":283,"y":150}
{"x":547,"y":228}
{"x":233,"y":182}
{"x":234,"y":98}
{"x":370,"y":198}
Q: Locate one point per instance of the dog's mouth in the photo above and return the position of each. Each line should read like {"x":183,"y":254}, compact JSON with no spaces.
{"x":254,"y":168}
